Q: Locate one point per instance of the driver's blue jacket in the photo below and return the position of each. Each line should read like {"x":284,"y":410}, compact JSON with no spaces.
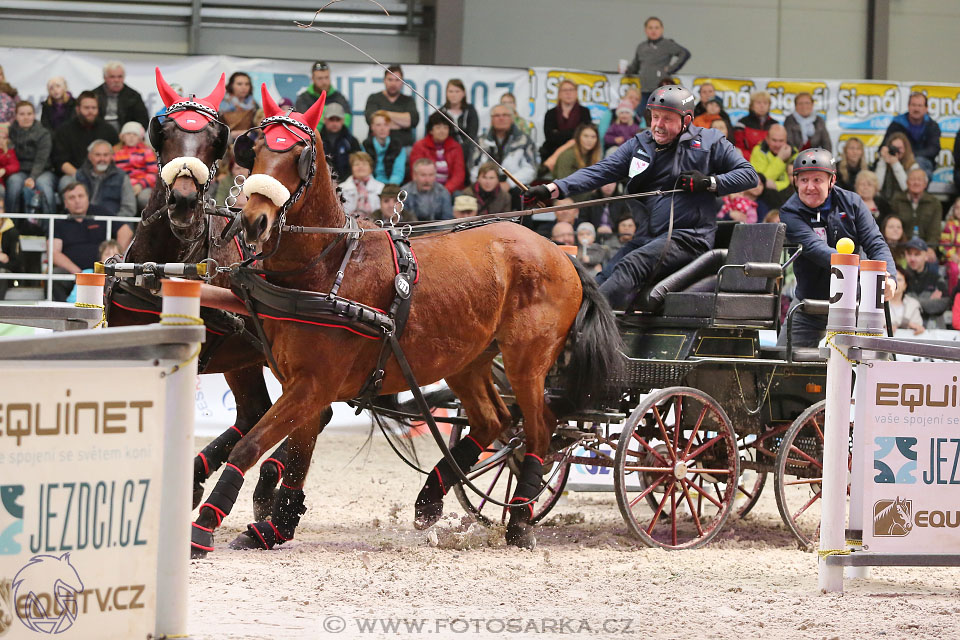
{"x":695,"y":214}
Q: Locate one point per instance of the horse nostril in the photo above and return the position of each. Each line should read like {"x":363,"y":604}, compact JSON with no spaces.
{"x":261,"y":225}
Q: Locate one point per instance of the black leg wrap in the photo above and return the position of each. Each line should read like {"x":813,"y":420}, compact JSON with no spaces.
{"x":211,"y":458}
{"x":270,"y":472}
{"x":288,"y":509}
{"x":429,"y":505}
{"x":519,"y":530}
{"x":216,"y":508}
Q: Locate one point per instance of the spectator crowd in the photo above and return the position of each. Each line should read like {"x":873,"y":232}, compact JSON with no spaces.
{"x":85,"y":155}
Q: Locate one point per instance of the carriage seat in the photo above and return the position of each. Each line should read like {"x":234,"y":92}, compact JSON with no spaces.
{"x":741,"y":286}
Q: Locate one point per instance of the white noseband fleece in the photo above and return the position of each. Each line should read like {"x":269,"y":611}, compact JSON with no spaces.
{"x":185,"y":166}
{"x":266,"y":186}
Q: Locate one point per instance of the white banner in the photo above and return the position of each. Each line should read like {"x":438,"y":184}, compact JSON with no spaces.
{"x":909,"y":456}
{"x":80,"y":481}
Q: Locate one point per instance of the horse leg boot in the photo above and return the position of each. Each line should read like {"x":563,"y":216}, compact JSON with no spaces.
{"x":287,"y":505}
{"x":519,"y":529}
{"x":250,"y":392}
{"x":486,"y":412}
{"x":271,"y":471}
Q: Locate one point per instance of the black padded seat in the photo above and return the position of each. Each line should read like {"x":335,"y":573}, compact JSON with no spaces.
{"x":741,"y":297}
{"x":703,"y":267}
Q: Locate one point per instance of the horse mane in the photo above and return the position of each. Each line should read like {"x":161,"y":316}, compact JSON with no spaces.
{"x":884,"y":512}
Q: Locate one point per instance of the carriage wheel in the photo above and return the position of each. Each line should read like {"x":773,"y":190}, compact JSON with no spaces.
{"x":751,"y":483}
{"x":680,"y":441}
{"x":499,"y":481}
{"x":799,"y":473}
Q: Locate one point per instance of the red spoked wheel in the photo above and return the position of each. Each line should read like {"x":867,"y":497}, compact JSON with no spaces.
{"x":679,"y":446}
{"x":799,"y":474}
{"x":751,"y":482}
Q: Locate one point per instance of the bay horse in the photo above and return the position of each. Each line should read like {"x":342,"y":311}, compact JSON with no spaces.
{"x":499,"y":285}
{"x":177,"y":226}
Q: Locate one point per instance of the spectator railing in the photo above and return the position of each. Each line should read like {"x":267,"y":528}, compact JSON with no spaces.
{"x":48,"y":276}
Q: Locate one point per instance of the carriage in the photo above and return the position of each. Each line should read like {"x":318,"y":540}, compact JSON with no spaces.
{"x":702,"y":414}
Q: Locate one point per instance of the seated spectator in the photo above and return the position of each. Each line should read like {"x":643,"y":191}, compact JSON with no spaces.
{"x":560,"y":122}
{"x":921,"y":212}
{"x":632,"y":99}
{"x":708,"y":93}
{"x":950,"y":245}
{"x":920,"y":129}
{"x":623,"y":233}
{"x":107,"y":186}
{"x":710,"y":113}
{"x":462,"y":112}
{"x":426,"y":197}
{"x":401,"y":109}
{"x":725,"y":127}
{"x":9,"y":98}
{"x":238,"y":108}
{"x":510,"y":147}
{"x":72,"y":139}
{"x":389,"y":156}
{"x":752,"y":128}
{"x":338,"y":142}
{"x":655,"y":59}
{"x":867,"y":187}
{"x":9,"y":164}
{"x":743,"y":206}
{"x":770,"y":158}
{"x":491,"y":194}
{"x":361,"y":191}
{"x":805,"y":128}
{"x":544,"y":223}
{"x":586,"y":151}
{"x":622,"y":129}
{"x":464,"y":206}
{"x":604,"y":216}
{"x":440,"y":148}
{"x":590,"y":253}
{"x":10,"y":259}
{"x":59,"y":105}
{"x":32,"y":143}
{"x":891,"y":228}
{"x":925,"y":284}
{"x":389,"y":199}
{"x":138,"y":161}
{"x":895,"y":160}
{"x":117,"y":102}
{"x":320,"y":82}
{"x":561,"y":233}
{"x":905,"y":310}
{"x":851,"y":163}
{"x":76,"y":240}
{"x":526,"y":126}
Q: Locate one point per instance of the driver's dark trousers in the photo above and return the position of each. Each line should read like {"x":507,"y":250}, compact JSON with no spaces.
{"x":633,"y":266}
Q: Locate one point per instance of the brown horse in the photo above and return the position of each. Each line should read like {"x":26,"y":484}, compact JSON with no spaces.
{"x":497,"y":284}
{"x":176,"y":227}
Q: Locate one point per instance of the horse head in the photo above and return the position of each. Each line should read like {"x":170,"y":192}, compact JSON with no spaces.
{"x":190,"y":140}
{"x":282,"y":154}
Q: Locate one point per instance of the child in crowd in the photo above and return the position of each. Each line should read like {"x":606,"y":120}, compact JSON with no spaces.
{"x":950,"y":245}
{"x":742,"y":207}
{"x":8,"y":158}
{"x":713,"y":107}
{"x":624,"y":128}
{"x":138,"y":161}
{"x":107,"y":249}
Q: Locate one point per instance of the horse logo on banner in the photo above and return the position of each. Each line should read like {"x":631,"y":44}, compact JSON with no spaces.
{"x":48,"y":587}
{"x":892,"y":518}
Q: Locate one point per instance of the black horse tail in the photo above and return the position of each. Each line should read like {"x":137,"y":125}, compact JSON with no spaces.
{"x":592,"y":361}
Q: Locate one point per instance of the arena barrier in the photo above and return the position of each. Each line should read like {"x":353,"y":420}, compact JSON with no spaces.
{"x":905,"y":460}
{"x":96,"y":436}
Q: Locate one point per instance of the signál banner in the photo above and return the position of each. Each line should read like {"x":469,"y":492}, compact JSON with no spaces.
{"x":907,"y":421}
{"x":80,"y":483}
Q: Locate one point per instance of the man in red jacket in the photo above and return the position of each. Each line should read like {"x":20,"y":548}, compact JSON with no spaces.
{"x":443,"y":150}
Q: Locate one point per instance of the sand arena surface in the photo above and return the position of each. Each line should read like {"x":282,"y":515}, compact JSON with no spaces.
{"x":357,"y":562}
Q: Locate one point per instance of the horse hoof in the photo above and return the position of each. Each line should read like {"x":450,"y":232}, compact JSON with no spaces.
{"x":263,"y":508}
{"x":521,"y":535}
{"x":197,"y":553}
{"x":244,"y":541}
{"x":197,"y":494}
{"x":425,"y":515}
{"x":201,"y":541}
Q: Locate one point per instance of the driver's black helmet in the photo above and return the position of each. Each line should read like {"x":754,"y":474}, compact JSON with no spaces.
{"x":672,"y":97}
{"x":815,"y":159}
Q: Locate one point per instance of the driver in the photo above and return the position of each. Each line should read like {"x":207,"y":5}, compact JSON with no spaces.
{"x":817,"y":216}
{"x":671,"y":154}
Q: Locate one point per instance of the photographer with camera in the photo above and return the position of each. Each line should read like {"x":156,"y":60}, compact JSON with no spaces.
{"x":894,"y":162}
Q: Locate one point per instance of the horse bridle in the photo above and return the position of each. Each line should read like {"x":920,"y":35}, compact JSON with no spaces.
{"x":156,"y":137}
